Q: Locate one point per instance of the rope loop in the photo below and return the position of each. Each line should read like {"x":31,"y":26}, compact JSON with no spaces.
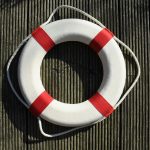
{"x":47,"y":22}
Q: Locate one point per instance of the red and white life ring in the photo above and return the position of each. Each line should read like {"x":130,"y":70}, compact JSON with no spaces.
{"x":99,"y":105}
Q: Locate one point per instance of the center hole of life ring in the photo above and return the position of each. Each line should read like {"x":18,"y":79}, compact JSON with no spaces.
{"x":71,"y":72}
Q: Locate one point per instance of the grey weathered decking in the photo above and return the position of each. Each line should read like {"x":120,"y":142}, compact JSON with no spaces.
{"x":71,"y":74}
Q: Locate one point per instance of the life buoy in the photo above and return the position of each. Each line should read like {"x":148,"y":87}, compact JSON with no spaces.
{"x":102,"y":103}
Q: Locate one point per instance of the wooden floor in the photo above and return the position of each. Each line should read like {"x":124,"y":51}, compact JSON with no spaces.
{"x":72,"y":73}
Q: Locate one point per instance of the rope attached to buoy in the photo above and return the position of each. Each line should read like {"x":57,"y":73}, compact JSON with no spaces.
{"x":47,"y":22}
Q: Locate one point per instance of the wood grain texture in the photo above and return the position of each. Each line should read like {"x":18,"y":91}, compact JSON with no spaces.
{"x":71,"y":72}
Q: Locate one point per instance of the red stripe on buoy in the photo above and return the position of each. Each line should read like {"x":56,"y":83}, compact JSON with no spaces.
{"x":40,"y":103}
{"x":101,"y":104}
{"x":43,"y":39}
{"x":100,"y":40}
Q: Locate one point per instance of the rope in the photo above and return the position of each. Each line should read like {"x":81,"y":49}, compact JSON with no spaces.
{"x":47,"y":22}
{"x":8,"y":68}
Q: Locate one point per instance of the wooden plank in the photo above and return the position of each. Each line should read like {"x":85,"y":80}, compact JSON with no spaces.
{"x":13,"y":114}
{"x":65,"y":77}
{"x":71,"y":73}
{"x":135,"y":110}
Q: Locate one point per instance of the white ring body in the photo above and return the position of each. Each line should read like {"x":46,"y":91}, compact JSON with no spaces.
{"x":114,"y":72}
